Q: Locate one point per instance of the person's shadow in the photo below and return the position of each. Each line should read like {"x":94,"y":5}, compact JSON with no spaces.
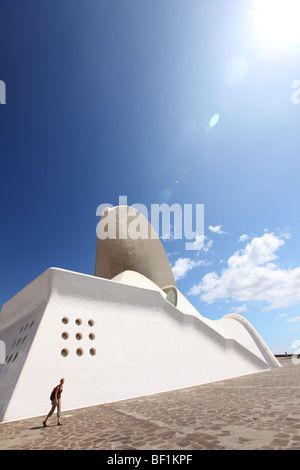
{"x":42,"y":427}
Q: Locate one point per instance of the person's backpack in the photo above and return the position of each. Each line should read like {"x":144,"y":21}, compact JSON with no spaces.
{"x":52,"y":394}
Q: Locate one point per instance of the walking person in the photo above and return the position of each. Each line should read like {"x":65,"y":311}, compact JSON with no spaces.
{"x":56,"y":402}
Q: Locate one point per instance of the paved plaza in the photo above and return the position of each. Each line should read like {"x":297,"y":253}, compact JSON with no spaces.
{"x":259,"y":411}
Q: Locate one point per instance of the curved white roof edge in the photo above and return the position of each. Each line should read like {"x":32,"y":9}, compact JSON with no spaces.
{"x":253,"y":333}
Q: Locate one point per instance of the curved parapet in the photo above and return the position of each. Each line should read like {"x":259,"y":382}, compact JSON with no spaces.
{"x":266,"y":352}
{"x":128,"y":242}
{"x":132,"y":278}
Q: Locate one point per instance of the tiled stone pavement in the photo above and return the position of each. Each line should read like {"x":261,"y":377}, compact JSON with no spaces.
{"x":259,"y":411}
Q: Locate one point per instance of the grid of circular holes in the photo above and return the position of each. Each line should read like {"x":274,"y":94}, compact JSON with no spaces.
{"x":17,"y":342}
{"x":78,"y":336}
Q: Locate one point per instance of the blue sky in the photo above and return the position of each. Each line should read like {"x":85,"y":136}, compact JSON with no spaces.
{"x":114,"y":97}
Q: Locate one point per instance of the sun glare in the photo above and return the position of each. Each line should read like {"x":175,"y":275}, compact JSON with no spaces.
{"x":277,"y":21}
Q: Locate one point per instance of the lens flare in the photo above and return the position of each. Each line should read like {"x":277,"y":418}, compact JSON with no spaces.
{"x":214,"y":120}
{"x":277,"y":21}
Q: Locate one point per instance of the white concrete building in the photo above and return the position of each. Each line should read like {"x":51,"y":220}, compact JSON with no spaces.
{"x":123,"y":333}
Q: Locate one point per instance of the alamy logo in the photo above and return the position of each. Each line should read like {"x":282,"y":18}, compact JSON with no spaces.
{"x":187,"y":222}
{"x":2,"y":92}
{"x":296,"y":94}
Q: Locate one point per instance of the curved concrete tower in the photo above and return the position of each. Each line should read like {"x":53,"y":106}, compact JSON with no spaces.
{"x":144,"y":254}
{"x":133,"y":246}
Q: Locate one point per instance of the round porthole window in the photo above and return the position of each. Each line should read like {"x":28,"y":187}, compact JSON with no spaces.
{"x":78,"y":336}
{"x":78,"y":321}
{"x":91,"y":322}
{"x":92,"y":351}
{"x":92,"y":336}
{"x":65,"y":335}
{"x":79,"y":352}
{"x":64,"y":352}
{"x":65,"y":320}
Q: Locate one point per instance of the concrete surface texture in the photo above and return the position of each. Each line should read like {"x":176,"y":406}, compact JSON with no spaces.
{"x":257,"y":411}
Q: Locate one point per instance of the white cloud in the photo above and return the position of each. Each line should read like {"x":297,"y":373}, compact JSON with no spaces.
{"x":252,"y":275}
{"x":200,"y":243}
{"x":242,"y":308}
{"x":183,"y":265}
{"x":293,"y":320}
{"x":216,"y":229}
{"x":244,"y":237}
{"x":281,"y":315}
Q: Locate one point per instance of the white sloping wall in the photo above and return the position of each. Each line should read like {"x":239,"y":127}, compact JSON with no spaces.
{"x":113,"y":341}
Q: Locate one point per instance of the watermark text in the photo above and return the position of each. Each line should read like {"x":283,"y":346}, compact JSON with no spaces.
{"x":296,"y":94}
{"x":169,"y":222}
